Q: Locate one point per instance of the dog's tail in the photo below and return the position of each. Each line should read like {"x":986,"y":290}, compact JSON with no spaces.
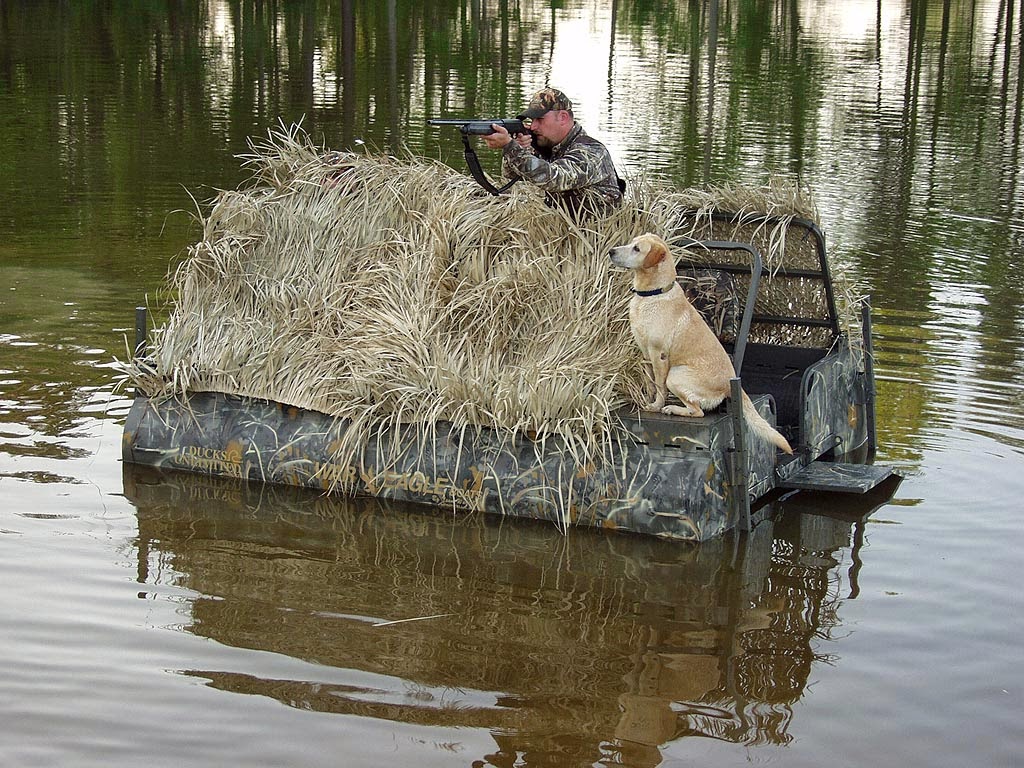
{"x":762,"y":428}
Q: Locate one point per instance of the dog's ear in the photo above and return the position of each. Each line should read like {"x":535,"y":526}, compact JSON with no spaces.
{"x":656,"y":251}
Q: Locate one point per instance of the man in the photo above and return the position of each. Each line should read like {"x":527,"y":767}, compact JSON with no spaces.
{"x":573,"y":169}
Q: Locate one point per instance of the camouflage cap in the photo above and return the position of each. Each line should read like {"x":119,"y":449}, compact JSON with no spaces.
{"x":546,"y":100}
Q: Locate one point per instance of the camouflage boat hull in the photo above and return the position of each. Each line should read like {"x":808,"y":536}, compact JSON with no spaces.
{"x":690,"y":489}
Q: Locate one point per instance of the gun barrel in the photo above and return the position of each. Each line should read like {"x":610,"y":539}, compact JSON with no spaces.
{"x":465,"y":121}
{"x":480,"y":126}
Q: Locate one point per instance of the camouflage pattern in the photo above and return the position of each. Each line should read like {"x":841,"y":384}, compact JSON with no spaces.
{"x":546,"y":100}
{"x":713,"y":293}
{"x":678,"y":483}
{"x":833,"y":401}
{"x":579,"y":175}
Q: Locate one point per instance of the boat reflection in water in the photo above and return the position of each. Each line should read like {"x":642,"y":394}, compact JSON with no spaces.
{"x":591,"y":646}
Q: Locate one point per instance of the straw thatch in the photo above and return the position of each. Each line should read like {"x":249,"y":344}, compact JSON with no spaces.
{"x":388,"y":290}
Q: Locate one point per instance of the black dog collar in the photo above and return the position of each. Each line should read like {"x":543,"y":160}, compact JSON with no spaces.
{"x":655,"y":292}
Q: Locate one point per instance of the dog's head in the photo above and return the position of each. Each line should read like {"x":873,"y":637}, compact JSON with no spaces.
{"x":643,"y":252}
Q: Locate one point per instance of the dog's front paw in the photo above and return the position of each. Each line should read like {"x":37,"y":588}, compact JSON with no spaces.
{"x":656,"y":405}
{"x":675,"y":410}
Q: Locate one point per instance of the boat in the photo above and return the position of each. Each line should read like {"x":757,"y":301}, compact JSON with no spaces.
{"x":681,"y":478}
{"x":807,"y":367}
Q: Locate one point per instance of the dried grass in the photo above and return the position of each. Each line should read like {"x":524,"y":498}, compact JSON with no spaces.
{"x":386,"y":290}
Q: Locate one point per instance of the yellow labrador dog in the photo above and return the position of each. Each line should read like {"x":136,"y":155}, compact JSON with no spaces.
{"x":687,"y":358}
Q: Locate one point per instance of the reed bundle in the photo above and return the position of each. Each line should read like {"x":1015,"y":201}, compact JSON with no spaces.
{"x":385,"y":291}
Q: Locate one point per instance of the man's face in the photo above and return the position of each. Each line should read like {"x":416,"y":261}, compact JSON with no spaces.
{"x":551,"y":127}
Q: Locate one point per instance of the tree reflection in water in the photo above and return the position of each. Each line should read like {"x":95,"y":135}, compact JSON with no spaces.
{"x":903,"y":119}
{"x":590,"y":646}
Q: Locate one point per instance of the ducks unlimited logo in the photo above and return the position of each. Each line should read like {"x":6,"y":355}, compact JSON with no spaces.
{"x":467,"y":494}
{"x":227,"y":462}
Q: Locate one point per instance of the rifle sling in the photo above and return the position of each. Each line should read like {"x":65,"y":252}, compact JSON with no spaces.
{"x":478,"y":173}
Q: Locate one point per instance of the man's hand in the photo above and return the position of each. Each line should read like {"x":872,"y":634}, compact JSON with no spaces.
{"x":499,"y":138}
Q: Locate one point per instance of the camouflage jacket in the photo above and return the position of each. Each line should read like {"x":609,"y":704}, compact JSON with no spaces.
{"x":579,"y":174}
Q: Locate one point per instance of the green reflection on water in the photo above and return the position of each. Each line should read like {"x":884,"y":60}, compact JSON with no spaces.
{"x":904,"y":120}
